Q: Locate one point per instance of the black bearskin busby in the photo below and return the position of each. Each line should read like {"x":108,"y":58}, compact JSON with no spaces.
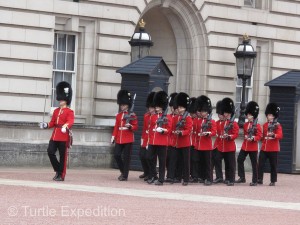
{"x":64,"y":92}
{"x":160,"y":99}
{"x":182,"y":99}
{"x":219,"y":107}
{"x":227,"y":106}
{"x":124,"y":98}
{"x":253,"y":109}
{"x":193,"y":105}
{"x":172,"y":97}
{"x":272,"y":108}
{"x":204,"y":104}
{"x":149,"y":101}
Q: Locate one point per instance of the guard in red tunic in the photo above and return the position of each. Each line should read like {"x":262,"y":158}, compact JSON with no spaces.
{"x":216,"y":154}
{"x":62,"y":121}
{"x":206,"y":130}
{"x":272,"y":134}
{"x":183,"y":131}
{"x":229,"y":131}
{"x":122,"y":136}
{"x":145,"y":136}
{"x":171,"y":141}
{"x":252,"y":134}
{"x":160,"y":126}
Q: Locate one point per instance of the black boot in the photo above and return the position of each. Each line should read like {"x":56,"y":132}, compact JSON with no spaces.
{"x":241,"y":180}
{"x":56,"y":175}
{"x":218,"y":180}
{"x":59,"y":178}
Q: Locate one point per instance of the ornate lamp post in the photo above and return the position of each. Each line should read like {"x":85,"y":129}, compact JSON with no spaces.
{"x":245,"y":57}
{"x":140,"y":43}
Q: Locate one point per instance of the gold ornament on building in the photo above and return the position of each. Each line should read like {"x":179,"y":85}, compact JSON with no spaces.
{"x":142,"y":23}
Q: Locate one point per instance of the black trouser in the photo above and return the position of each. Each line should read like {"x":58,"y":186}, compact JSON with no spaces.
{"x":217,"y":158}
{"x":159,"y":151}
{"x":144,"y":161}
{"x":230,"y":164}
{"x":170,"y":157}
{"x":205,"y":165}
{"x":184,"y":155}
{"x":240,"y":161}
{"x":58,"y":166}
{"x":191,"y":161}
{"x":263,"y":156}
{"x":123,"y":162}
{"x":195,"y":166}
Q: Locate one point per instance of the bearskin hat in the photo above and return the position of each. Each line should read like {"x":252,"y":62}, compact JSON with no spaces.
{"x":204,"y":104}
{"x":149,"y":101}
{"x":124,"y":98}
{"x":227,"y":106}
{"x":219,"y":107}
{"x":193,"y":105}
{"x":182,"y":99}
{"x":160,"y":99}
{"x":172,"y":97}
{"x":252,"y":108}
{"x":64,"y":92}
{"x":272,"y":108}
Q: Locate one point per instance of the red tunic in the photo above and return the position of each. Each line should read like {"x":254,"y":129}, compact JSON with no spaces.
{"x":156,"y":138}
{"x":194,"y":132}
{"x":271,"y":144}
{"x":121,"y":134}
{"x":172,"y":136}
{"x":145,"y":131}
{"x":219,"y":132}
{"x":228,"y":145}
{"x":205,"y":142}
{"x":251,"y":145}
{"x":184,"y":140}
{"x":60,"y":117}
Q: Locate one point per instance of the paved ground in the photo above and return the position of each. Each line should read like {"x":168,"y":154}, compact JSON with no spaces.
{"x":29,"y":196}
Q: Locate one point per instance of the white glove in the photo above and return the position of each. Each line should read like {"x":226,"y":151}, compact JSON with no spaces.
{"x":112,"y":140}
{"x":142,"y":142}
{"x":63,"y":130}
{"x":159,"y":129}
{"x":43,"y":125}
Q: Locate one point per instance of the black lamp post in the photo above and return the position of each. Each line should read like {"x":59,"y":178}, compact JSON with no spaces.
{"x":245,"y":56}
{"x":140,"y":43}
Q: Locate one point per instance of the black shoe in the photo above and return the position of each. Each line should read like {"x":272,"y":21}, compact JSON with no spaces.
{"x":185,"y":183}
{"x":194,"y":180}
{"x":168,"y":180}
{"x":272,"y":184}
{"x":253,"y":184}
{"x":56,"y":175}
{"x":59,"y":178}
{"x":200,"y":180}
{"x":151,"y":180}
{"x":142,"y":176}
{"x":218,"y":180}
{"x":260,"y":182}
{"x":240,"y":180}
{"x":230,"y":183}
{"x":122,"y":178}
{"x":157,"y":182}
{"x":146,"y":178}
{"x":226,"y":181}
{"x":207,"y":183}
{"x":119,"y":177}
{"x":176,"y":181}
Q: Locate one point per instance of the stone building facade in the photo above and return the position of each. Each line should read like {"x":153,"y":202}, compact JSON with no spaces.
{"x":85,"y":42}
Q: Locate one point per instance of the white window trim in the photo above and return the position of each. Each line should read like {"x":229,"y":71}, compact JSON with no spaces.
{"x":74,"y":73}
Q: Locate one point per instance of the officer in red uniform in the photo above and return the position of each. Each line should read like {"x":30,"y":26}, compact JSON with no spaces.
{"x":183,"y":131}
{"x":252,"y":134}
{"x":216,"y":154}
{"x":206,"y":130}
{"x":158,"y":138}
{"x":62,"y":121}
{"x":122,"y":135}
{"x":145,"y":136}
{"x":171,"y":141}
{"x":229,"y":131}
{"x":272,"y":134}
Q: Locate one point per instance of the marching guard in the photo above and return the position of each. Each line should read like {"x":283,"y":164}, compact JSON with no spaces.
{"x":252,"y":134}
{"x":62,"y":121}
{"x":272,"y":134}
{"x":123,"y":133}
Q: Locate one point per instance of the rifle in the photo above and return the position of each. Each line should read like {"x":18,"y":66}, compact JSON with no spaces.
{"x":252,"y":130}
{"x":181,"y":122}
{"x":207,"y":124}
{"x":128,"y":117}
{"x":163,"y":119}
{"x":229,"y":126}
{"x":272,"y":126}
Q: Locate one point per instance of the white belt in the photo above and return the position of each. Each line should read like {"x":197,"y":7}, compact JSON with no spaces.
{"x":123,"y":128}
